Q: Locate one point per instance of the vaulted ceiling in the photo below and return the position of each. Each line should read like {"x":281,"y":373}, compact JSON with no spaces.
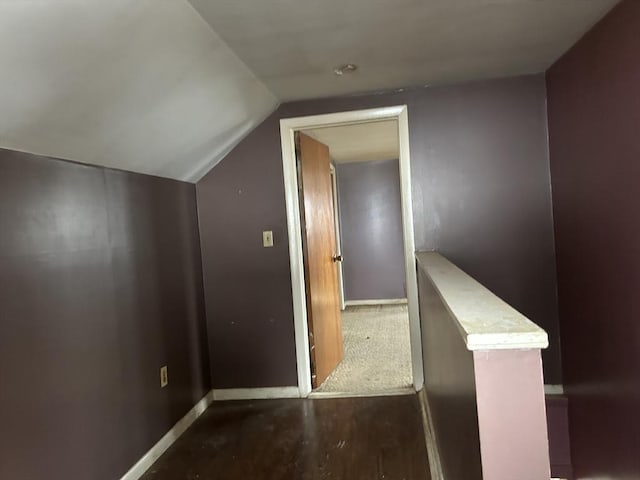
{"x":167,"y":88}
{"x":140,"y":85}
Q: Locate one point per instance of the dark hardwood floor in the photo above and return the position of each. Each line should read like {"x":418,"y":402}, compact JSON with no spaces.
{"x":348,"y":438}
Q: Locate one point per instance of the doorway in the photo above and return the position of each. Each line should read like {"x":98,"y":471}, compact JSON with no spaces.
{"x":296,"y":218}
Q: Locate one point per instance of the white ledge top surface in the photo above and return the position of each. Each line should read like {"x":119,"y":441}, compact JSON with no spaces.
{"x":485,"y":321}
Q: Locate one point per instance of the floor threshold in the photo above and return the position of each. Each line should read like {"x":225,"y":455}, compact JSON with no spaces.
{"x":381,"y":393}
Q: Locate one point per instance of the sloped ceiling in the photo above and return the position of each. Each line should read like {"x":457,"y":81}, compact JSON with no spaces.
{"x":140,"y":85}
{"x":150,"y":86}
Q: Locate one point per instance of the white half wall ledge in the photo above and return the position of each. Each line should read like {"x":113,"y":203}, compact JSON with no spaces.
{"x":485,"y":321}
{"x":138,"y":85}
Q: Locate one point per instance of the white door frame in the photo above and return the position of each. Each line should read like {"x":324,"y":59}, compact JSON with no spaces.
{"x":288,"y":127}
{"x":336,"y":221}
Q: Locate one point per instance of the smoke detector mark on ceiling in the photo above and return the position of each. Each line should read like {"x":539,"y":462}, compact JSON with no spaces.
{"x":347,"y":68}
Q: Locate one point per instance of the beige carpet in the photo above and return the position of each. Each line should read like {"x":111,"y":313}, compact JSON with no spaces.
{"x":377,"y":351}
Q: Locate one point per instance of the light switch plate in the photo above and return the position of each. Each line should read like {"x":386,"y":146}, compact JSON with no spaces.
{"x":164,"y":377}
{"x":267,"y":238}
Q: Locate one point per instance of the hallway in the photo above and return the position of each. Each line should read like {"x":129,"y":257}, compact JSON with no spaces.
{"x":377,"y":351}
{"x":347,"y":438}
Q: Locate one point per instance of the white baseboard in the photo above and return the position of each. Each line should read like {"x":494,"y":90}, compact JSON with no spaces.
{"x":554,"y":389}
{"x":373,"y":302}
{"x":435,"y":465}
{"x":255,"y":393}
{"x":171,"y":436}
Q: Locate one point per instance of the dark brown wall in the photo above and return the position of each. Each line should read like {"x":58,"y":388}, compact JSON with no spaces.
{"x":100,"y":285}
{"x":594,"y":116}
{"x":481,"y":193}
{"x":371,"y":230}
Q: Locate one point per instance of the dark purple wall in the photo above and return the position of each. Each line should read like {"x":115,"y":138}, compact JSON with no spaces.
{"x":594,"y":119}
{"x":248,"y":287}
{"x":559,"y":440}
{"x":371,"y":230}
{"x":100,"y":285}
{"x":450,"y":386}
{"x":481,"y":196}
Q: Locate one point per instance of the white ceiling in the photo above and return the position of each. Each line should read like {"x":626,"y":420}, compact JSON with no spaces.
{"x":141,"y":85}
{"x":360,"y":142}
{"x":293,"y":45}
{"x":149,"y":86}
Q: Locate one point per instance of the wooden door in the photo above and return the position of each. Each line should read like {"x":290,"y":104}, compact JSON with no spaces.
{"x":319,"y":248}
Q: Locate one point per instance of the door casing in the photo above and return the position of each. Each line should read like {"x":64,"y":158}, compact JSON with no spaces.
{"x":336,"y":219}
{"x":288,"y":127}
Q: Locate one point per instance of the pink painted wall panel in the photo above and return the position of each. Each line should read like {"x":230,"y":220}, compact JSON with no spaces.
{"x":511,"y":415}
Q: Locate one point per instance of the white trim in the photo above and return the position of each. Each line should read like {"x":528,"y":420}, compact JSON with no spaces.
{"x":410,"y":250}
{"x":373,"y":302}
{"x":165,"y":442}
{"x":336,"y":221}
{"x":255,"y":393}
{"x":382,"y":393}
{"x":554,"y":389}
{"x":433,"y":451}
{"x":288,"y":127}
{"x":294,"y":231}
{"x":485,"y":321}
